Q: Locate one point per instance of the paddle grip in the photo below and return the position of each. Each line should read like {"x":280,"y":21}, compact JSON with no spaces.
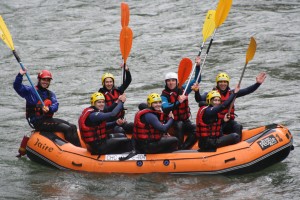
{"x":16,"y":56}
{"x":199,"y":53}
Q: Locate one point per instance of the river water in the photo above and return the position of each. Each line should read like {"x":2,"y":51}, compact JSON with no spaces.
{"x":78,"y":40}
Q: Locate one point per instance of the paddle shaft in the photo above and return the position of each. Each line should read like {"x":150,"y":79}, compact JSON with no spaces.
{"x":123,"y":73}
{"x":194,"y":67}
{"x":207,"y":51}
{"x":239,"y":84}
{"x":27,"y":75}
{"x":242,"y":75}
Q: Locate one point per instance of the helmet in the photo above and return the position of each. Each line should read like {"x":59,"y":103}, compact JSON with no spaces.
{"x":171,"y":75}
{"x":96,"y":96}
{"x":44,"y":74}
{"x":222,"y":77}
{"x":153,"y":97}
{"x":212,"y":94}
{"x":107,"y":75}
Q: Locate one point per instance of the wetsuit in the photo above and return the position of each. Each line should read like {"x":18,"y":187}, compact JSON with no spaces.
{"x":104,"y":143}
{"x":180,"y":126}
{"x":111,"y":96}
{"x":208,"y":119}
{"x":45,"y":122}
{"x":231,"y":125}
{"x":151,"y":138}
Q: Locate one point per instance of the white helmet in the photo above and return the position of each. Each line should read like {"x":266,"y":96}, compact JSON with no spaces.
{"x":171,"y":75}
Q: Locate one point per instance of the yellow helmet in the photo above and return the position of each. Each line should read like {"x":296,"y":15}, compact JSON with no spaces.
{"x":212,"y":94}
{"x":96,"y":96}
{"x":222,"y":77}
{"x":153,"y":97}
{"x":107,"y":75}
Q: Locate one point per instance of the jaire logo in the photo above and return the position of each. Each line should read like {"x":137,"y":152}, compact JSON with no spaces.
{"x":43,"y":146}
{"x":267,"y":142}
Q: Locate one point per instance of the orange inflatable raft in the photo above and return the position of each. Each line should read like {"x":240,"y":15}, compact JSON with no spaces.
{"x":260,"y":147}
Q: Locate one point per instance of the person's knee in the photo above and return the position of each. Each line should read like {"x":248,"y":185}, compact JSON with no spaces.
{"x":236,"y":137}
{"x":237,"y":126}
{"x":188,"y":125}
{"x":178,"y":125}
{"x":118,"y":129}
{"x":128,"y":127}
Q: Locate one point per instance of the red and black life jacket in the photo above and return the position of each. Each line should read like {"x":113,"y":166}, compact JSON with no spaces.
{"x":91,"y":133}
{"x":143,"y":131}
{"x":224,"y":97}
{"x":180,"y":112}
{"x":37,"y":110}
{"x":207,"y":130}
{"x":111,"y":97}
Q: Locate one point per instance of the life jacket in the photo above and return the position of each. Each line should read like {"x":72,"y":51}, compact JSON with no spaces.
{"x":180,"y":112}
{"x":37,"y":110}
{"x":110,"y":98}
{"x":212,"y":129}
{"x":144,"y":131}
{"x":224,"y":97}
{"x":91,"y":133}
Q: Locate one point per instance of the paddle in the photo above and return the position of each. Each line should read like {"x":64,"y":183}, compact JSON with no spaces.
{"x":6,"y":37}
{"x":125,"y":45}
{"x":124,"y":24}
{"x":124,"y":14}
{"x":208,"y":28}
{"x":249,"y":56}
{"x":184,"y":69}
{"x":125,"y":42}
{"x":222,"y":11}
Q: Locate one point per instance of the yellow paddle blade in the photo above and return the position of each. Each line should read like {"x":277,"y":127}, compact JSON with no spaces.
{"x":5,"y":35}
{"x":124,"y":14}
{"x":222,"y":11}
{"x":125,"y":42}
{"x":209,"y":24}
{"x":251,"y":50}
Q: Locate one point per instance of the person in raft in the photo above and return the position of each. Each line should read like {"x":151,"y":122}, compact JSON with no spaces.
{"x":111,"y":93}
{"x":173,"y":100}
{"x":222,"y":86}
{"x":93,"y":125}
{"x":38,"y":116}
{"x":209,"y":122}
{"x":150,"y":131}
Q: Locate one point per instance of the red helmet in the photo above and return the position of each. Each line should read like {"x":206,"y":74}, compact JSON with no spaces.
{"x":45,"y":74}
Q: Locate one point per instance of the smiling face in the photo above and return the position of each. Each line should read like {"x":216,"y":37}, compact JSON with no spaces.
{"x":222,"y":85}
{"x":156,"y":105}
{"x":108,"y":83}
{"x":100,"y":104}
{"x":215,"y":101}
{"x":44,"y":82}
{"x":171,"y":83}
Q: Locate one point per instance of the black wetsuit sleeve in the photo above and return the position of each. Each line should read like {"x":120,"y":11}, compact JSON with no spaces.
{"x":152,"y":119}
{"x":98,"y":117}
{"x":126,"y":83}
{"x":211,"y":112}
{"x":248,"y":90}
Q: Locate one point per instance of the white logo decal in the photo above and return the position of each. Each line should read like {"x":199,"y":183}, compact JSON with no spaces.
{"x":115,"y":157}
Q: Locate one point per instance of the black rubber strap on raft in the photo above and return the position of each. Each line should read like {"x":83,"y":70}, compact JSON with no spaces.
{"x":130,"y":155}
